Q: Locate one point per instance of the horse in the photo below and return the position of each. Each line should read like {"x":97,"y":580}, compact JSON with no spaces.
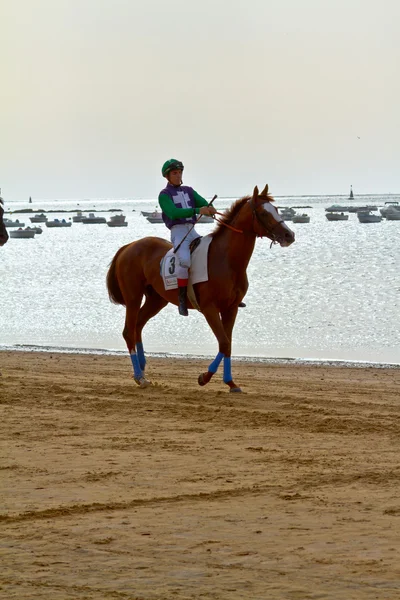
{"x":134,"y":273}
{"x":3,"y":230}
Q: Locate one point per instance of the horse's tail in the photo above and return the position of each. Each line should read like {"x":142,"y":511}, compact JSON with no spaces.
{"x":114,"y":291}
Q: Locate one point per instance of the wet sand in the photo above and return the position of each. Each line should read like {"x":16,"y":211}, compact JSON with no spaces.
{"x":289,"y":491}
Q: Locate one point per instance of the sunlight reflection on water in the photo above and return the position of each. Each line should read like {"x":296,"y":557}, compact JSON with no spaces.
{"x":334,"y":294}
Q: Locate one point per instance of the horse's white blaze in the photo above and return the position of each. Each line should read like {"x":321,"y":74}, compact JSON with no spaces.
{"x":268,"y":207}
{"x":272,"y":210}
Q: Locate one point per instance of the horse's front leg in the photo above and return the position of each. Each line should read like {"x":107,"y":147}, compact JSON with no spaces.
{"x":222,"y":329}
{"x":228,"y":318}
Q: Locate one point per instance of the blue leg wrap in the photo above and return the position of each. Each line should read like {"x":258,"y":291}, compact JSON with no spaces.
{"x":141,"y":356}
{"x":137,"y":371}
{"x":213,"y":368}
{"x":227,"y":369}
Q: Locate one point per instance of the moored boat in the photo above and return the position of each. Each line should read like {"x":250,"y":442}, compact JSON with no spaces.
{"x":336,"y":216}
{"x":205,"y":219}
{"x":287,"y":214}
{"x":117,"y":221}
{"x":78,"y":217}
{"x":10,"y":223}
{"x":58,"y":223}
{"x":155,"y":217}
{"x":392,"y":214}
{"x":367,"y":208}
{"x":304,"y":218}
{"x":389,"y":206}
{"x":337,"y":208}
{"x":368,"y":217}
{"x":92,"y":220}
{"x":26,"y":233}
{"x":38,"y":218}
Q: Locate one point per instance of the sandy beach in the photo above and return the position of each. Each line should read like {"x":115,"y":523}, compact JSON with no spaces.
{"x":288,"y":491}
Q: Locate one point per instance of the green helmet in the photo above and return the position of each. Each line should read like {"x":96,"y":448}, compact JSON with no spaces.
{"x":170,"y":165}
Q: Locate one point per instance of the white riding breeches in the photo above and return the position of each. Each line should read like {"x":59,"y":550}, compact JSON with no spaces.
{"x":178,"y":232}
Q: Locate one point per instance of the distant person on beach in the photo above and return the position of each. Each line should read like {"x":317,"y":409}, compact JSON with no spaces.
{"x":180,"y":205}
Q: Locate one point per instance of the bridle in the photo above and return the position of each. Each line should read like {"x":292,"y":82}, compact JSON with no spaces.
{"x":273,"y":237}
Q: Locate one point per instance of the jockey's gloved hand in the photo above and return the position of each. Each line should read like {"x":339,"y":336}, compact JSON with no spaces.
{"x":207,"y":210}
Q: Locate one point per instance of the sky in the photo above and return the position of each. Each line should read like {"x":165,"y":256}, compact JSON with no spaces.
{"x":96,"y":94}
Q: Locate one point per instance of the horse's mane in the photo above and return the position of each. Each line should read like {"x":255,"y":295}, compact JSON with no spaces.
{"x":230,"y":214}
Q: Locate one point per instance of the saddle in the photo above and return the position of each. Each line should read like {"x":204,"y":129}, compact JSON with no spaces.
{"x":198,"y":270}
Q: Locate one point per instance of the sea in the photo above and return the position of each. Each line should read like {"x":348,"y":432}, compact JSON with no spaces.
{"x":332,"y":297}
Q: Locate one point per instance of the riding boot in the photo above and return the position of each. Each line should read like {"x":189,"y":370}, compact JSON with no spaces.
{"x":182,"y":296}
{"x":241,"y":305}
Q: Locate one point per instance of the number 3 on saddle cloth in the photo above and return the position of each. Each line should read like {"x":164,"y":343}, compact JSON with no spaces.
{"x":198,"y":271}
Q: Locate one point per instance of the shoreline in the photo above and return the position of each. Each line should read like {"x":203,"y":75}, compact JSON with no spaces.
{"x":267,"y":360}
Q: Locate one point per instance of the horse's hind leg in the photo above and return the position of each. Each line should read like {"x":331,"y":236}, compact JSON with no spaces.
{"x":130,"y":333}
{"x":152,"y":306}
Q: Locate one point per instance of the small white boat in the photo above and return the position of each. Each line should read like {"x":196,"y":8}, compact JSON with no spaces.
{"x":155,"y":217}
{"x":37,"y":229}
{"x":58,"y":223}
{"x":367,"y":208}
{"x":92,"y":220}
{"x":117,"y":221}
{"x":336,"y":216}
{"x":205,"y":219}
{"x":389,"y":206}
{"x":11,"y":223}
{"x":304,"y":218}
{"x":393,"y":214}
{"x":78,"y":217}
{"x":337,"y":208}
{"x":287,"y":214}
{"x":38,"y":218}
{"x":22,"y":233}
{"x":368,"y":217}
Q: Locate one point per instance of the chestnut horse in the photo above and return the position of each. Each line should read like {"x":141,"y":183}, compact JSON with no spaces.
{"x":135,"y":272}
{"x":3,"y":230}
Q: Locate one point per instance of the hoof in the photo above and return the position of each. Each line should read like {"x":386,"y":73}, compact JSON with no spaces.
{"x":236,"y":390}
{"x":204,"y":378}
{"x":201,"y":380}
{"x":142,"y":382}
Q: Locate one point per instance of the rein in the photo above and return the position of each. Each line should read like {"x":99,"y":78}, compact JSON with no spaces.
{"x":221,"y":222}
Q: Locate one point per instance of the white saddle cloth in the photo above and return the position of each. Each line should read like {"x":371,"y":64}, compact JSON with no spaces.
{"x":198,"y":270}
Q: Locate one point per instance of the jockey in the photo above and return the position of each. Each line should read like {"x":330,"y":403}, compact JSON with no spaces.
{"x":180,"y":206}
